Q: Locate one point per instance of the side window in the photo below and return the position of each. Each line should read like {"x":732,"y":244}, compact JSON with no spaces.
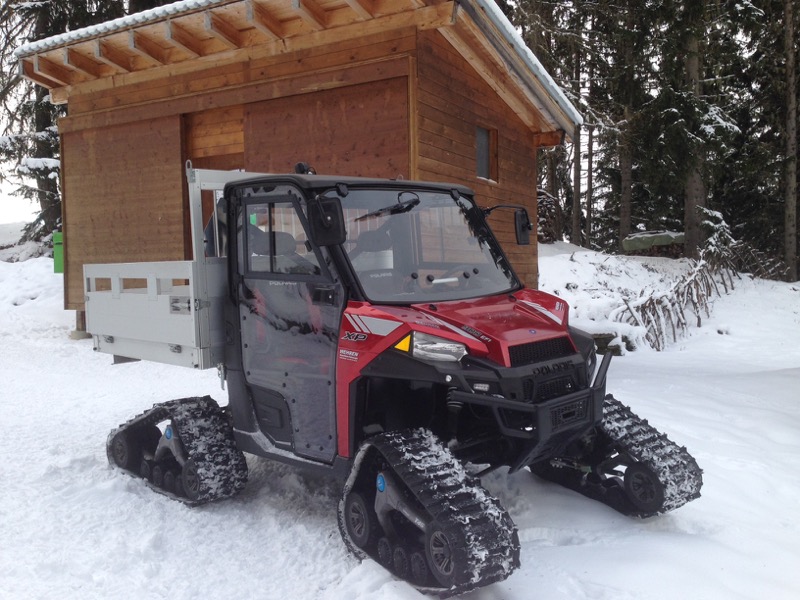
{"x":486,"y":153}
{"x":276,"y":241}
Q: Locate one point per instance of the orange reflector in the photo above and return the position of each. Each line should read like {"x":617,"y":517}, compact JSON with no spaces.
{"x":404,"y":344}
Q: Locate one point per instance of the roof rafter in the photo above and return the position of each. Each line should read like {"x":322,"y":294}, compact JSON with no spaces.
{"x":27,"y":70}
{"x":311,"y":13}
{"x":82,"y":63}
{"x":222,"y":30}
{"x":182,"y":39}
{"x":260,"y":18}
{"x":365,"y":9}
{"x":146,"y":48}
{"x":53,"y":71}
{"x":111,"y":56}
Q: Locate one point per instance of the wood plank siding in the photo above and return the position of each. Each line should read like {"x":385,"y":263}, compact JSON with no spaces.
{"x":360,"y":130}
{"x":122,"y":197}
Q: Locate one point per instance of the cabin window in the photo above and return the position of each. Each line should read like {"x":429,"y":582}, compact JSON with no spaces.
{"x":276,"y":241}
{"x":486,"y":153}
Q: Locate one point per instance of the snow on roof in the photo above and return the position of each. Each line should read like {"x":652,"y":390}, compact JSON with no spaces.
{"x":140,"y":18}
{"x":519,"y":46}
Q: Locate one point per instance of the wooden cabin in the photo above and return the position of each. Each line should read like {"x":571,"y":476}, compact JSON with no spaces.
{"x":420,"y":89}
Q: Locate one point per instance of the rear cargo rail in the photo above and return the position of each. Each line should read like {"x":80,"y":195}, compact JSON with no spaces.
{"x":167,"y":312}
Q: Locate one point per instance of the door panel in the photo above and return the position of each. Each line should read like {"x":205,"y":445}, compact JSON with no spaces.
{"x":290,"y":325}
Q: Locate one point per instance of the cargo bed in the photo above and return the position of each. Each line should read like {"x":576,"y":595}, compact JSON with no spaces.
{"x":168,"y":312}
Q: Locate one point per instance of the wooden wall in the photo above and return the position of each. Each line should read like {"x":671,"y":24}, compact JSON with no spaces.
{"x":215,"y":137}
{"x":360,"y":130}
{"x":452,"y":100}
{"x":120,"y":200}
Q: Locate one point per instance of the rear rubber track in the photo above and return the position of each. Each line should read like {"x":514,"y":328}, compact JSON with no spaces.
{"x":483,"y":537}
{"x":206,"y":434}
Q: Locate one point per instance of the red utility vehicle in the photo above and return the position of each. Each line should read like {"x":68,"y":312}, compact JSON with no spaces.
{"x":375,"y":330}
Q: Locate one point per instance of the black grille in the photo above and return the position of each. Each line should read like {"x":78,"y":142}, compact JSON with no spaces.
{"x":528,"y":354}
{"x":546,"y":390}
{"x":553,"y":389}
{"x":566,"y":415}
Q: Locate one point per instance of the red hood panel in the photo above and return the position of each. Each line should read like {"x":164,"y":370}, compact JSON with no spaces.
{"x":498,"y":322}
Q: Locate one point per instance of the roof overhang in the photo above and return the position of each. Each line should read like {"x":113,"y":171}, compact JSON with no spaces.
{"x":195,"y":33}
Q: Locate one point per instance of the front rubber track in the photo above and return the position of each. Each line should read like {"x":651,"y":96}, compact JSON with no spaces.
{"x":469,"y":540}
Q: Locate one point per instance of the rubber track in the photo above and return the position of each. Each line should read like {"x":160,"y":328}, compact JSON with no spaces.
{"x":486,"y":538}
{"x":623,"y":432}
{"x":206,"y":433}
{"x":677,"y":470}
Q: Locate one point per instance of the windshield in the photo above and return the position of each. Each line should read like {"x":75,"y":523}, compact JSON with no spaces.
{"x":421,"y":246}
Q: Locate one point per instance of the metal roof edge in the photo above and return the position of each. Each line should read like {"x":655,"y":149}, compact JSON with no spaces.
{"x":514,"y":39}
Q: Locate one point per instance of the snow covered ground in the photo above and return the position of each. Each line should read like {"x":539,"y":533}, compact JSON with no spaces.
{"x":72,"y":528}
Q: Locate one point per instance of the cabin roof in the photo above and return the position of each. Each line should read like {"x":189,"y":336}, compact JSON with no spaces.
{"x":153,"y":42}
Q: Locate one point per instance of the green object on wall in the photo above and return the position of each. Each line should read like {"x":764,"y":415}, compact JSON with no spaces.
{"x":58,"y":252}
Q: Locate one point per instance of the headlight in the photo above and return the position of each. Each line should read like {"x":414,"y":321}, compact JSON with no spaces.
{"x":430,"y":347}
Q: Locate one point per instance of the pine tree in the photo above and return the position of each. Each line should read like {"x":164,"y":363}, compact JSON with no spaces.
{"x":30,"y":145}
{"x":790,"y":135}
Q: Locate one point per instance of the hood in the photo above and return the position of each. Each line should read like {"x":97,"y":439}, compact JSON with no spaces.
{"x":490,"y":326}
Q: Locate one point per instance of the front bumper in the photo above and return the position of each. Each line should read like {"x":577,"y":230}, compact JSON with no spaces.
{"x":544,"y":426}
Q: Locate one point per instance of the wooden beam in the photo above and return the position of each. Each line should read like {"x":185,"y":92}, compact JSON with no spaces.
{"x":311,"y":13}
{"x":261,"y":19}
{"x":27,"y":71}
{"x":222,"y":30}
{"x":182,"y":39}
{"x":365,"y":9}
{"x":431,"y":17}
{"x":53,"y":71}
{"x":549,"y":138}
{"x":83,"y":64}
{"x":111,"y":56}
{"x":146,"y":48}
{"x":505,"y":77}
{"x":373,"y":71}
{"x":59,"y":96}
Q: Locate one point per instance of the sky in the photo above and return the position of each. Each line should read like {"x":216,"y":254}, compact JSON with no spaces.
{"x":14,"y":210}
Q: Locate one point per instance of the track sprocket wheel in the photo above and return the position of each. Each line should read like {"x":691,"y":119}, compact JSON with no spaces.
{"x":440,"y":553}
{"x":643,"y":488}
{"x":360,"y":521}
{"x":191,"y":481}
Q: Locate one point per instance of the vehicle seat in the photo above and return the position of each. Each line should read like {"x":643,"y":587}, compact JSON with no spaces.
{"x":371,"y":242}
{"x":373,"y":260}
{"x":285,"y":260}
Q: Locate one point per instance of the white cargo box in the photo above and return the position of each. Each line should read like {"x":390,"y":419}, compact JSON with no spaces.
{"x":163,"y":311}
{"x":168,"y":312}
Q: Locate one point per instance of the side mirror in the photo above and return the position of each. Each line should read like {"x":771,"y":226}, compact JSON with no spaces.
{"x":326,"y":221}
{"x":522,"y":227}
